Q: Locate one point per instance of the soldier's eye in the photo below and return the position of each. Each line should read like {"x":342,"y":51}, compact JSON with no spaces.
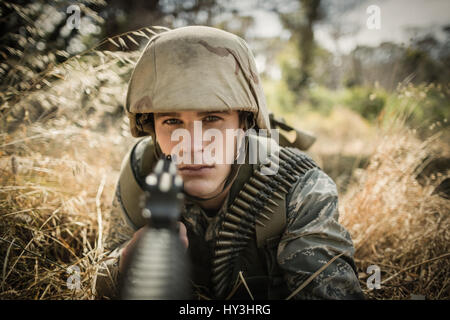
{"x":172,"y":121}
{"x":211,"y":118}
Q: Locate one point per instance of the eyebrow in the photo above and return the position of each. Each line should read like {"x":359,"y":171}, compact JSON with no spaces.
{"x":177,"y":114}
{"x":167,"y":114}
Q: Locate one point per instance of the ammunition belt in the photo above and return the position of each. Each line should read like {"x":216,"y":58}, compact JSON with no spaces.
{"x":250,"y":208}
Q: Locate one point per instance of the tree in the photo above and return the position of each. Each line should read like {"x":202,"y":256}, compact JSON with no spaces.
{"x":35,"y":35}
{"x":300,"y":24}
{"x":121,"y":16}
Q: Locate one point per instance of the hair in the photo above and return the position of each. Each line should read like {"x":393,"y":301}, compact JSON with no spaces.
{"x":247,"y":119}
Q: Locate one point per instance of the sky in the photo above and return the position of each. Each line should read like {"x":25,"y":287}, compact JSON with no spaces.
{"x":398,"y":18}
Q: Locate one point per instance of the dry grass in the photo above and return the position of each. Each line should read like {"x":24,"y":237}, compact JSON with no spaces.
{"x":56,"y":187}
{"x":49,"y":185}
{"x":398,"y":224}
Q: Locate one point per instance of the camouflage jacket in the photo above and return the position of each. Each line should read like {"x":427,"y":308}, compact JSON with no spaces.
{"x":311,"y":238}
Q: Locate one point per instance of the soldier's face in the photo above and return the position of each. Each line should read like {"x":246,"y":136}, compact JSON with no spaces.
{"x":193,"y":137}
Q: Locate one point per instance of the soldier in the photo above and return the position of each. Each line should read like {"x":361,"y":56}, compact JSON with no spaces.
{"x":273,"y":231}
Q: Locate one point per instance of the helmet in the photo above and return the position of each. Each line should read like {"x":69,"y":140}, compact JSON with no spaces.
{"x":194,"y":68}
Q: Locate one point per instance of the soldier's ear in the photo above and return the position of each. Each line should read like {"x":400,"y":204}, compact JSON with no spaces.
{"x":145,"y":122}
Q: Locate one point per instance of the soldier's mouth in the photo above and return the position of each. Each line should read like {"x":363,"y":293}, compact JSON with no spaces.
{"x":195,"y":169}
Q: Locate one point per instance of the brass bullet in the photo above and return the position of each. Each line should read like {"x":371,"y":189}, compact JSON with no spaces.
{"x":222,"y":274}
{"x":239,"y":220}
{"x":231,"y":235}
{"x":233,"y":227}
{"x":250,"y":189}
{"x":220,"y":260}
{"x":223,"y":252}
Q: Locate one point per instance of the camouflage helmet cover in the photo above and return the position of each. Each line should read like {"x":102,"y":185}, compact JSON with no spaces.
{"x":195,"y":68}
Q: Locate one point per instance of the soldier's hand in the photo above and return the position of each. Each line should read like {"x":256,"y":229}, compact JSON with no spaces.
{"x":124,"y":256}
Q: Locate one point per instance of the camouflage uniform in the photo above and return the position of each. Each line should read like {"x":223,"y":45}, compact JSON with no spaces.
{"x":166,"y":79}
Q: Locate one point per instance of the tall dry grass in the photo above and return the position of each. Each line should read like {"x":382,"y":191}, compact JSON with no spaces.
{"x":62,"y":139}
{"x":56,"y":187}
{"x":399,"y":224}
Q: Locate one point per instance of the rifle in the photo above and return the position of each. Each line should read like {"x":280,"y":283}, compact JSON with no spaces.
{"x":158,"y":267}
{"x":303,"y":140}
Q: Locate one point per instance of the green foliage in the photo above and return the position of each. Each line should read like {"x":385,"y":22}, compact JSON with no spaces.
{"x":289,"y":61}
{"x":419,"y":62}
{"x":366,"y":101}
{"x":423,"y":107}
{"x":278,"y":97}
{"x":322,"y":100}
{"x":35,"y":36}
{"x":300,"y":23}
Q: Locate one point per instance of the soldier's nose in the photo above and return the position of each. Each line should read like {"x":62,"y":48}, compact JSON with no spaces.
{"x":196,"y":142}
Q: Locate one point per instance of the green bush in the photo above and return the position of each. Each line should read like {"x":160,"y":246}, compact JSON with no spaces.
{"x":368,"y":102}
{"x":278,"y":97}
{"x":322,"y":99}
{"x":422,"y":107}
